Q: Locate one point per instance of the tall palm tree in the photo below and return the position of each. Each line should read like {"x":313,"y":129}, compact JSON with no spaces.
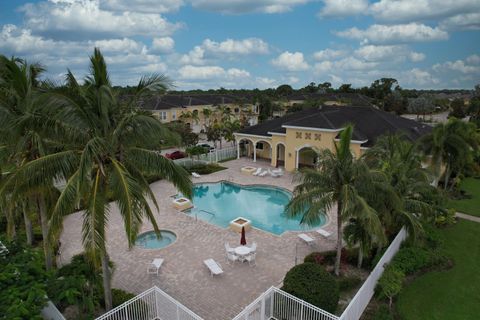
{"x":112,"y":146}
{"x":26,"y":128}
{"x":450,"y":145}
{"x":340,"y":180}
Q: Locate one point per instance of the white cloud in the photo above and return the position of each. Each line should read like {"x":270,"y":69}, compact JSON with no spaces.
{"x":190,"y":72}
{"x":418,"y":10}
{"x":146,"y":6}
{"x":264,"y":82}
{"x":473,"y":59}
{"x":290,"y":61}
{"x":241,"y":47}
{"x":247,"y":6}
{"x":322,"y":67}
{"x":388,"y":53}
{"x":119,"y":45}
{"x":85,"y":17}
{"x":328,"y":54}
{"x":460,"y":66}
{"x":163,"y":45}
{"x":467,"y":21}
{"x":401,"y":33}
{"x":195,"y":56}
{"x":418,"y":78}
{"x":341,"y":8}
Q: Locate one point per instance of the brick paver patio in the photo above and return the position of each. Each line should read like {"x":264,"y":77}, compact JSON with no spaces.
{"x":183,"y":274}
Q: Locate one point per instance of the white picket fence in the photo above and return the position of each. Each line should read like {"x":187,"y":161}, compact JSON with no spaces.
{"x":361,"y":300}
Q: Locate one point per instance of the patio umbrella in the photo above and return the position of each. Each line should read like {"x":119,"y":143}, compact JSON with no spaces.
{"x":243,"y":241}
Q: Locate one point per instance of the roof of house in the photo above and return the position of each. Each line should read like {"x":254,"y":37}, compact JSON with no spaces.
{"x":369,"y":123}
{"x":355,"y":99}
{"x":168,"y":101}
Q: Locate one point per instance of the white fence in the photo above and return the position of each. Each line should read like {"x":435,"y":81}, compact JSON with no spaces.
{"x":358,"y":304}
{"x":150,"y":305}
{"x":277,"y":304}
{"x":50,"y":312}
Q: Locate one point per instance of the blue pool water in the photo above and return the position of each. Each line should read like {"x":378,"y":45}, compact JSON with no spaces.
{"x":221,"y":202}
{"x":149,"y":240}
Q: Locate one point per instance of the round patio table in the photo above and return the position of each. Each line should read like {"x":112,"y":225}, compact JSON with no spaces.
{"x":242,"y":251}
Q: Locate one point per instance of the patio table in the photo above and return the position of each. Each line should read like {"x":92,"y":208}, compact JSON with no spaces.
{"x":242,"y":252}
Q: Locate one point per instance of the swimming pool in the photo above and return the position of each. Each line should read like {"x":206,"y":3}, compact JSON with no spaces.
{"x":221,"y":202}
{"x":149,"y":240}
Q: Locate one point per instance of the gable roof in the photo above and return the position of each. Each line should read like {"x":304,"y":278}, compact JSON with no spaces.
{"x":369,"y":123}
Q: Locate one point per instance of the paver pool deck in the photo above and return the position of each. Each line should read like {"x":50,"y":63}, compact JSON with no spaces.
{"x":183,"y":275}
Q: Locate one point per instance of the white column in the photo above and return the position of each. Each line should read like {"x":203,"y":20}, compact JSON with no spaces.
{"x":238,"y":149}
{"x":254,"y":152}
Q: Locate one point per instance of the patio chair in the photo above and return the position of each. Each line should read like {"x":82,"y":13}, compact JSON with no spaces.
{"x":253,"y":248}
{"x":229,"y":249}
{"x":214,"y":267}
{"x":257,"y":172}
{"x":155,"y":266}
{"x":324,"y":233}
{"x":251,"y":259}
{"x":231,"y":257}
{"x":195,"y":175}
{"x":308,"y":240}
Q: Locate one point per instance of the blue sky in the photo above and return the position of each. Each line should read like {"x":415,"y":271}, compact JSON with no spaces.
{"x":203,"y":44}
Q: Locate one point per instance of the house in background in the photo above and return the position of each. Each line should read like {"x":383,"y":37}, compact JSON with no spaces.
{"x":293,"y":140}
{"x":170,"y":107}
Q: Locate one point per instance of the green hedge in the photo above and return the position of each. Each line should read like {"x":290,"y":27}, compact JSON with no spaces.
{"x":312,"y":283}
{"x":120,"y":296}
{"x":205,"y":168}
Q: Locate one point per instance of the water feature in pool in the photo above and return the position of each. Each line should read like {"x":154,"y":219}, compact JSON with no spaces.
{"x":149,"y":240}
{"x":221,"y":202}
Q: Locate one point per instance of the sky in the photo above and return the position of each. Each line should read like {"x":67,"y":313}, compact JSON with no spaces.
{"x":208,"y":44}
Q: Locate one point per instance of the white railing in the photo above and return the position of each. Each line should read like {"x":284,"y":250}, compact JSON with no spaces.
{"x":278,"y":304}
{"x":50,"y":312}
{"x":360,"y":301}
{"x":150,"y":305}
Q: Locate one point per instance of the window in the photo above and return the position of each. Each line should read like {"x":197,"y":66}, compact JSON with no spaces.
{"x":163,"y":115}
{"x":174,"y":115}
{"x":237,"y":110}
{"x":259,"y":146}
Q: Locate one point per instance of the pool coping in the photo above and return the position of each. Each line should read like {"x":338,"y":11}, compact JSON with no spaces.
{"x":328,"y":220}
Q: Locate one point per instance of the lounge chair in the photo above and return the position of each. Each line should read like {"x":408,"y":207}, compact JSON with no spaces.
{"x":195,"y":175}
{"x":257,"y":172}
{"x":273,"y":174}
{"x":214,"y":267}
{"x":309,"y":240}
{"x":324,"y":233}
{"x":154,"y":267}
{"x":263,"y":173}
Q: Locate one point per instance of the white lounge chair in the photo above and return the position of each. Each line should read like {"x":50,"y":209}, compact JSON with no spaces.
{"x":251,"y":259}
{"x":277,"y":171}
{"x":195,"y":175}
{"x":214,"y":267}
{"x":324,"y":233}
{"x":273,"y":174}
{"x":305,"y":237}
{"x":155,"y":266}
{"x":257,"y":172}
{"x":263,"y":173}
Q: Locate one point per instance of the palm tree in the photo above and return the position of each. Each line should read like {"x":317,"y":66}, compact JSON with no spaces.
{"x":112,"y":148}
{"x":25,"y":127}
{"x":339,"y":179}
{"x":450,"y":145}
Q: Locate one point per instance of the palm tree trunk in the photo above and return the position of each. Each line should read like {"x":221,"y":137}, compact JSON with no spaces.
{"x":107,"y":286}
{"x":360,"y":257}
{"x":28,"y":225}
{"x":339,"y":239}
{"x":11,"y":228}
{"x":447,"y":177}
{"x":44,"y":224}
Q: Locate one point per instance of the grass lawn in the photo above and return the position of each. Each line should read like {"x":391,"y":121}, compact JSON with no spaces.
{"x":469,"y":206}
{"x":453,"y":294}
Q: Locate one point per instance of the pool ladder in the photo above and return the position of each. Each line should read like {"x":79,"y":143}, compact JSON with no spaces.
{"x":207,"y":212}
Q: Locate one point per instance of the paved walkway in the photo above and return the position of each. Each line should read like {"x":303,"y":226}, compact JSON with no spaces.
{"x":467,"y":217}
{"x":183,"y":274}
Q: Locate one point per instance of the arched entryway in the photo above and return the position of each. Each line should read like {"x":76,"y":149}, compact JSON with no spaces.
{"x":280,"y":161}
{"x":306,"y":157}
{"x":244,"y":148}
{"x":263,"y":150}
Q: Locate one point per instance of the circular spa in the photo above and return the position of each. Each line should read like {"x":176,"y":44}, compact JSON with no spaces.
{"x":149,"y":240}
{"x":222,"y":202}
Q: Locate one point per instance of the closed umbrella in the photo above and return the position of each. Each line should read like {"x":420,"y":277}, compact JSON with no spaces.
{"x":243,"y":241}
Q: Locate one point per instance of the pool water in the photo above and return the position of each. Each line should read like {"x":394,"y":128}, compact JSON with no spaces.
{"x":221,"y":202}
{"x":149,"y":240}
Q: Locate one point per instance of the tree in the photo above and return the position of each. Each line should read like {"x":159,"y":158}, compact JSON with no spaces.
{"x":229,"y":128}
{"x":284,"y":90}
{"x":458,"y":109}
{"x":265,"y":109}
{"x":26,"y":127}
{"x":390,"y":283}
{"x":346,"y":88}
{"x":339,"y":179}
{"x":421,"y":105}
{"x":111,"y":147}
{"x":214,"y":133}
{"x":184,"y":133}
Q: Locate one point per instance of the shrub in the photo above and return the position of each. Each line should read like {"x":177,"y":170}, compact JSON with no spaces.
{"x":382,"y":313}
{"x":312,"y":283}
{"x":327,"y":257}
{"x":390,"y":283}
{"x":205,"y":168}
{"x":120,"y":296}
{"x":411,"y":259}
